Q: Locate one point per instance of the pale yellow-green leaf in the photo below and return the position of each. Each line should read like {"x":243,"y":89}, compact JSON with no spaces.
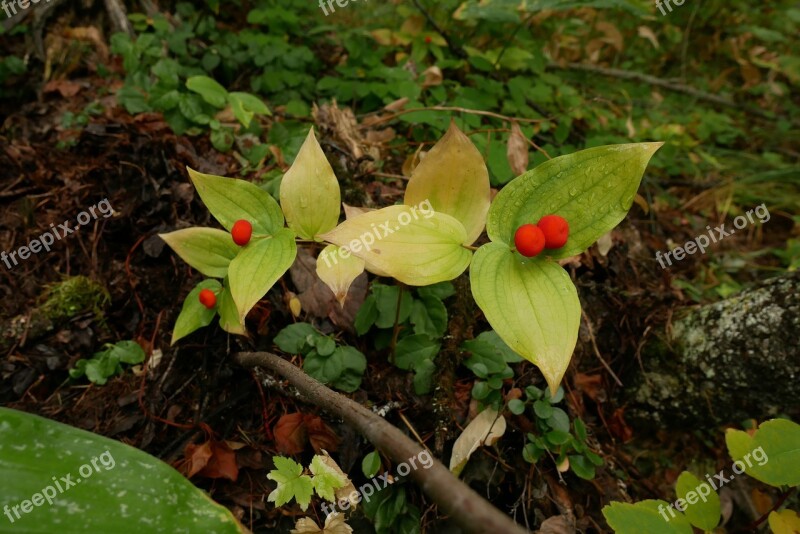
{"x":531,"y":303}
{"x":351,"y":212}
{"x":417,"y":249}
{"x":208,"y":250}
{"x":454,"y":180}
{"x":487,"y":427}
{"x":310,"y":192}
{"x":256,"y":269}
{"x":702,"y":502}
{"x":784,"y":522}
{"x":228,"y":314}
{"x":771,"y":455}
{"x":334,"y":524}
{"x":337,"y":271}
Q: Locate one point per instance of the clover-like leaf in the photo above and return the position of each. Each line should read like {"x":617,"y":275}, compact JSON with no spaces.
{"x":771,"y":455}
{"x":208,"y":250}
{"x":703,"y":505}
{"x":532,"y":305}
{"x":258,"y":266}
{"x":338,"y":271}
{"x":310,"y":192}
{"x":193,"y":314}
{"x":231,"y":199}
{"x":646,"y":516}
{"x":453,"y":178}
{"x":592,"y":189}
{"x":292,"y":483}
{"x":418,"y":248}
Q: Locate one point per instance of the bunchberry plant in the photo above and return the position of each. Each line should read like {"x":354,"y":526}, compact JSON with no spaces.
{"x":529,"y":301}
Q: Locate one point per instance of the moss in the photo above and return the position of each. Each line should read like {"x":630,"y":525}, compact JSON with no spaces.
{"x":72,"y":296}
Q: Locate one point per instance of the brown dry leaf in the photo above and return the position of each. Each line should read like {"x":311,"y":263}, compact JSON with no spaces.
{"x":619,"y":427}
{"x":319,"y":434}
{"x":604,"y":244}
{"x":290,"y":434}
{"x":334,"y":524}
{"x":346,"y":493}
{"x":611,"y":34}
{"x":397,"y":105}
{"x":557,"y":524}
{"x":762,"y":501}
{"x":212,"y":459}
{"x":67,"y":88}
{"x":433,"y":76}
{"x":485,"y":429}
{"x":646,"y":33}
{"x":92,"y":35}
{"x":517,"y":152}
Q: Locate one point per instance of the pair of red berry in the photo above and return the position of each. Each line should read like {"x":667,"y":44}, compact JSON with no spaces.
{"x":550,"y":232}
{"x":241,"y":232}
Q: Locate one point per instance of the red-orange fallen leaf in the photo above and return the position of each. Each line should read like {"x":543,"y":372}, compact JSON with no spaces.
{"x":212,"y":459}
{"x":290,"y":434}
{"x":320,"y":434}
{"x":67,"y":88}
{"x":619,"y":427}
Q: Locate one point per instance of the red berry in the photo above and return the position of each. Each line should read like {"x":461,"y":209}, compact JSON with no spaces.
{"x":529,"y":240}
{"x":208,"y":298}
{"x":555,"y":229}
{"x":241,"y":232}
{"x":428,"y":39}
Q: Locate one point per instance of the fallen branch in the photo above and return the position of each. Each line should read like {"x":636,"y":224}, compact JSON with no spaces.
{"x":464,"y":505}
{"x":660,"y":82}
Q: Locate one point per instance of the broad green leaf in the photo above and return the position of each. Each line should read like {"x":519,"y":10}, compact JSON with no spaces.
{"x":292,"y":483}
{"x":784,"y":522}
{"x":310,"y":192}
{"x":581,"y":466}
{"x":417,"y":249}
{"x":772,"y":455}
{"x":531,"y":304}
{"x":337,"y":271}
{"x":326,"y":479}
{"x":702,"y":507}
{"x":453,"y":179}
{"x":371,"y":464}
{"x":646,"y":516}
{"x":208,"y":250}
{"x":592,"y":189}
{"x":258,"y":266}
{"x":412,"y":350}
{"x":228,"y":314}
{"x":210,"y":90}
{"x":293,"y":338}
{"x":487,"y":427}
{"x":111,"y":487}
{"x":231,"y":199}
{"x":245,"y":105}
{"x":194,"y":315}
{"x":429,"y":316}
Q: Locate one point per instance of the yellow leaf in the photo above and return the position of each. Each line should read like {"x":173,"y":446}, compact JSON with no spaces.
{"x":784,"y":522}
{"x":487,"y":427}
{"x":417,"y":246}
{"x":453,"y":178}
{"x":310,"y":192}
{"x":338,"y":271}
{"x":334,"y":524}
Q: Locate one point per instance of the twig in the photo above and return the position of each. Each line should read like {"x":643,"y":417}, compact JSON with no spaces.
{"x":597,"y":351}
{"x":119,"y":17}
{"x":665,"y":84}
{"x":463,"y":504}
{"x":458,"y":109}
{"x":455,"y":50}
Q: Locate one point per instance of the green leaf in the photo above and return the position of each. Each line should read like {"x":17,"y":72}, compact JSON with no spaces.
{"x":592,"y":189}
{"x":412,"y":350}
{"x":211,"y":91}
{"x":772,"y":455}
{"x":429,"y":316}
{"x":258,"y":266}
{"x":453,"y":179}
{"x":326,"y":479}
{"x":245,"y":105}
{"x":366,"y":316}
{"x":193,"y":314}
{"x":228,"y":314}
{"x":531,"y":304}
{"x":103,"y":472}
{"x":702,"y":507}
{"x":371,"y":464}
{"x":645,"y":516}
{"x":293,"y":338}
{"x":418,"y":248}
{"x":423,"y":376}
{"x":326,"y":369}
{"x":386,"y":304}
{"x":353,"y":363}
{"x":231,"y":199}
{"x":516,"y":406}
{"x":207,"y":250}
{"x":292,"y":483}
{"x":310,"y":193}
